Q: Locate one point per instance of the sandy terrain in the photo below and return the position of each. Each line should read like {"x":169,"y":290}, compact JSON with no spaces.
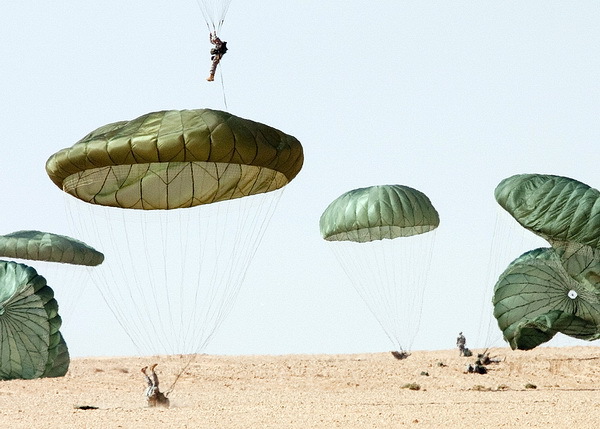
{"x":318,"y":391}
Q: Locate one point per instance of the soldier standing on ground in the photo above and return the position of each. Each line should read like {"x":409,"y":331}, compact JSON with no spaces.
{"x":461,"y":342}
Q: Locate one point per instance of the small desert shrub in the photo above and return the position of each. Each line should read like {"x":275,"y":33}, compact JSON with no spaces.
{"x":412,"y":386}
{"x":480,"y":388}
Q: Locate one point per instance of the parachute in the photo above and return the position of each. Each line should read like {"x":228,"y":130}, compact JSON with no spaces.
{"x":379,"y":236}
{"x":50,"y":254}
{"x":546,"y":291}
{"x":558,"y":209}
{"x":180,"y":201}
{"x":175,"y":159}
{"x":31,"y":344}
{"x":551,"y":290}
{"x":45,"y":246}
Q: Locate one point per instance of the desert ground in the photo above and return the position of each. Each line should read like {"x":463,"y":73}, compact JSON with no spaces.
{"x":546,"y":387}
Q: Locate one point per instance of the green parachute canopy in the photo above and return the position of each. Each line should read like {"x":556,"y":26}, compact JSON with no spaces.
{"x":48,"y":247}
{"x":31,"y":345}
{"x":549,"y":290}
{"x":378,"y":235}
{"x":558,"y":209}
{"x":59,"y":359}
{"x":179,"y":270}
{"x":377,"y":213}
{"x":175,"y":159}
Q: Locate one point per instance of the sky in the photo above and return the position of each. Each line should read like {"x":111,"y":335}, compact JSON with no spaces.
{"x":446,"y":97}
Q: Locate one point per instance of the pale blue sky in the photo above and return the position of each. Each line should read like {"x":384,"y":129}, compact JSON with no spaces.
{"x":446,"y":97}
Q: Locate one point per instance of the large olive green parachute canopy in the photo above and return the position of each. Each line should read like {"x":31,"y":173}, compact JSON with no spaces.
{"x":377,"y":213}
{"x":559,"y":209}
{"x":45,"y":246}
{"x":546,"y":291}
{"x":174,"y":159}
{"x":158,"y":164}
{"x":31,"y":345}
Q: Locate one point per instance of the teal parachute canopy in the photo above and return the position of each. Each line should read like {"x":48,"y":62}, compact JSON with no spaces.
{"x":549,"y":290}
{"x":377,"y":213}
{"x":558,"y":209}
{"x":31,"y":344}
{"x":48,"y":247}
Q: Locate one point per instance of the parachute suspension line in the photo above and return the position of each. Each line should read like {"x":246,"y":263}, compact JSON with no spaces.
{"x":199,"y":324}
{"x":206,"y":15}
{"x":206,"y":328}
{"x":99,"y":277}
{"x":145,"y":321}
{"x":426,"y":250}
{"x":187,"y":240}
{"x":158,"y":282}
{"x":247,"y":223}
{"x":385,"y":276}
{"x":131,"y":226}
{"x":191,"y":331}
{"x":359,"y":273}
{"x":136,"y":336}
{"x":174,"y":227}
{"x":223,"y":87}
{"x":505,"y":241}
{"x":509,"y":241}
{"x":208,"y":244}
{"x":485,"y":327}
{"x":179,"y":374}
{"x":418,"y":250}
{"x":387,"y":287}
{"x":213,"y":12}
{"x":135,"y":233}
{"x":221,"y":17}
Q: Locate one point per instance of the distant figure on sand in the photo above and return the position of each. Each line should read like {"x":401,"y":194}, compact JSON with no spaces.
{"x":477,"y":369}
{"x":155,"y":397}
{"x":461,"y":342}
{"x":485,"y":359}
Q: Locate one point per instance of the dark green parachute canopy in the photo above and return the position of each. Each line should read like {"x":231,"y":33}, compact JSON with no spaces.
{"x":174,"y":159}
{"x":559,"y":209}
{"x":48,"y":247}
{"x":58,"y":359}
{"x":549,"y":290}
{"x":377,"y":213}
{"x":31,"y":345}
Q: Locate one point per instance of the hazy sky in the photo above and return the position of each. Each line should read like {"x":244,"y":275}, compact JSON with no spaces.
{"x":445,"y":97}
